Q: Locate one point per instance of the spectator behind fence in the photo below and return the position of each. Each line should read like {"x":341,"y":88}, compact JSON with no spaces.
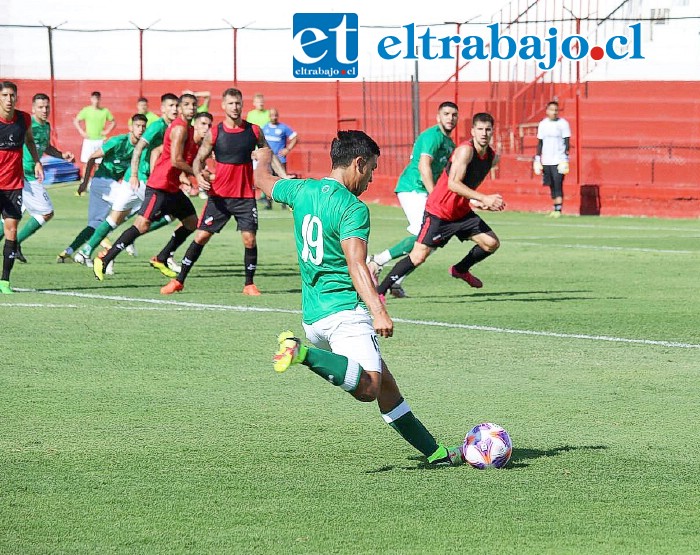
{"x":142,"y":108}
{"x":99,"y":122}
{"x":281,"y":139}
{"x":552,"y":158}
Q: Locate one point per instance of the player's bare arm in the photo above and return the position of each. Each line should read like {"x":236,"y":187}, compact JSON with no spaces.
{"x":460,"y":160}
{"x":135,"y":158}
{"x":274,"y":161}
{"x":355,"y":250}
{"x":88,"y":170}
{"x":108,"y":129}
{"x":31,"y":145}
{"x":155,"y":154}
{"x":178,"y":137}
{"x":76,"y":124}
{"x":264,"y":180}
{"x":53,"y":151}
{"x":426,"y":172}
{"x":200,"y":162}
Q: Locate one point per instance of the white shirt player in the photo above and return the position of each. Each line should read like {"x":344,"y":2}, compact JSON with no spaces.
{"x":552,"y":133}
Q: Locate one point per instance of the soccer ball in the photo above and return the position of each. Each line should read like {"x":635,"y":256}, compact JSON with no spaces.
{"x":487,"y":446}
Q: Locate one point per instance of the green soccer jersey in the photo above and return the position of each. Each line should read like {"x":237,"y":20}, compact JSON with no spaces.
{"x":435,"y":144}
{"x":95,"y":119}
{"x":42,"y":138}
{"x":325,"y":213}
{"x":116,"y":157}
{"x":154,"y":135}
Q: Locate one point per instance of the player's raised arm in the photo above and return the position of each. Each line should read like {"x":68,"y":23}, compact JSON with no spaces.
{"x":274,"y":161}
{"x":264,"y":180}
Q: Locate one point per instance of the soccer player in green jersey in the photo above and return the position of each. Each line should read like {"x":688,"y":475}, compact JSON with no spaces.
{"x":128,"y":197}
{"x":35,"y":199}
{"x":431,"y":152}
{"x":116,"y":156}
{"x":341,"y":311}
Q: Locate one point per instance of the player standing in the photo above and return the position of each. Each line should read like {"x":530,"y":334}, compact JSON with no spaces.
{"x":232,"y":193}
{"x":552,"y":159}
{"x":35,"y":198}
{"x":15,"y":133}
{"x":331,"y":229}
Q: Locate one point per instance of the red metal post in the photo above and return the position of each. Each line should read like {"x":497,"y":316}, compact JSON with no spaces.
{"x":578,"y":114}
{"x":235,"y":56}
{"x":140,"y":62}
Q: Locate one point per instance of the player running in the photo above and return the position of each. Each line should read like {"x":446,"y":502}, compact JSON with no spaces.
{"x":448,"y":211}
{"x":163,"y":195}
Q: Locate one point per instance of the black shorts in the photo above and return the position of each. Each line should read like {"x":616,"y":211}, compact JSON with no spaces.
{"x":157,"y":203}
{"x":554,"y":180}
{"x":11,"y":204}
{"x":219,"y":210}
{"x":436,"y":233}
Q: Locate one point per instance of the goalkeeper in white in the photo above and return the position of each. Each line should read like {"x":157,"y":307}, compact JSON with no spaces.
{"x":552,"y":159}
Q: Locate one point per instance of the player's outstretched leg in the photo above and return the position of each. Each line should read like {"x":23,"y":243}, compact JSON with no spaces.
{"x":398,"y":414}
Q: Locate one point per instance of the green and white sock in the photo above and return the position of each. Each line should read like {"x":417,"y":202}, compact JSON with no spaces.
{"x":83,"y":236}
{"x":165,"y":220}
{"x":402,"y":419}
{"x":337,"y":369}
{"x":403,"y":247}
{"x":100,"y":233}
{"x":34,"y":223}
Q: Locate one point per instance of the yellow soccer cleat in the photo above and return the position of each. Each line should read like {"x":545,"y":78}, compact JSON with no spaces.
{"x":291,"y":351}
{"x":162,"y":267}
{"x":98,"y":268}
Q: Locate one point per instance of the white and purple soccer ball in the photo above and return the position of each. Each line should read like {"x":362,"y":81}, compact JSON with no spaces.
{"x":487,"y":445}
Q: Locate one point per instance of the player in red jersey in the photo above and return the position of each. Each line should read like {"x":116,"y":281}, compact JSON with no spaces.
{"x":163,"y":195}
{"x":448,"y":211}
{"x":15,"y":132}
{"x":231,"y":192}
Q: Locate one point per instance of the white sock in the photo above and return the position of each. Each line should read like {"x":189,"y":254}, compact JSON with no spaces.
{"x":383,"y":257}
{"x":111,"y":222}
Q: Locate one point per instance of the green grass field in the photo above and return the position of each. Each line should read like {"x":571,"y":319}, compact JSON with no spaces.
{"x":136,"y":423}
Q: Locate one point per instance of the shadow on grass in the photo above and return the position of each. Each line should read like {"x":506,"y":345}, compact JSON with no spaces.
{"x":518,"y":459}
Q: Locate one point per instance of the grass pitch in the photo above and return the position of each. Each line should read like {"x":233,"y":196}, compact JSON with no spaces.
{"x":135,"y":423}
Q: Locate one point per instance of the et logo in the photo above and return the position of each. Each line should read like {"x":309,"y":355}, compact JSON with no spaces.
{"x":325,"y":45}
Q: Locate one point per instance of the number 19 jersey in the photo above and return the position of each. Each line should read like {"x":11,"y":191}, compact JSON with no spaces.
{"x":325,"y":214}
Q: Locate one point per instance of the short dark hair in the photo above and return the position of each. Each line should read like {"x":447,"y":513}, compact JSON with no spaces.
{"x":98,"y":94}
{"x":348,"y":145}
{"x":169,"y":96}
{"x":139,"y":117}
{"x":40,"y":96}
{"x":142,"y":99}
{"x":204,"y":115}
{"x":552,"y":102}
{"x":8,"y":85}
{"x":188,"y":95}
{"x":448,"y":104}
{"x":483,"y":117}
{"x":232,"y":92}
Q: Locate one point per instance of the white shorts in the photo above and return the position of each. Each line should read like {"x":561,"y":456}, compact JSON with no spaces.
{"x":90,"y":146}
{"x":35,"y":199}
{"x":99,"y":205}
{"x":413,"y":204}
{"x":124,"y":198}
{"x":349,"y":333}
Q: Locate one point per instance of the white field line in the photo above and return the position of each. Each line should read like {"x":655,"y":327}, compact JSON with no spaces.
{"x":599,"y":247}
{"x":181,"y":305}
